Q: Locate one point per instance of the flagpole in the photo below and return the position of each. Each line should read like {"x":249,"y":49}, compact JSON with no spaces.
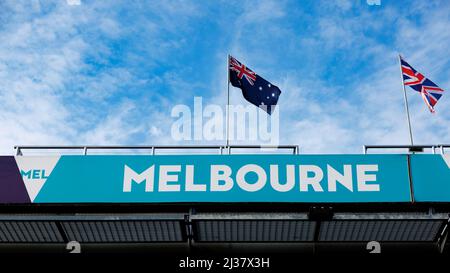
{"x":406,"y":101}
{"x":228,"y":102}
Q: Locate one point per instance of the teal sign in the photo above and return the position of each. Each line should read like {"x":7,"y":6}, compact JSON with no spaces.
{"x":220,"y":178}
{"x":431,"y":177}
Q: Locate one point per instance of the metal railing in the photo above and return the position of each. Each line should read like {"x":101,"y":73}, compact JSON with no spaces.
{"x":153,"y":149}
{"x":410,"y":148}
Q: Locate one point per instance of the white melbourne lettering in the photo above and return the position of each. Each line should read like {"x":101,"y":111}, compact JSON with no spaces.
{"x":253,"y":178}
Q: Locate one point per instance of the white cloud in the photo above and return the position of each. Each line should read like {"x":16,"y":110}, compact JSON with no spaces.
{"x":50,"y":93}
{"x":155,"y":131}
{"x":262,"y":12}
{"x":116,"y":128}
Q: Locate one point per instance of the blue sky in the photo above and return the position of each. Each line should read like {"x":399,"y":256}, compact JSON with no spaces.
{"x":109,"y":72}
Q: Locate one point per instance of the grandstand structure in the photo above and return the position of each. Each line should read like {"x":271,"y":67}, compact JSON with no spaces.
{"x":217,"y":199}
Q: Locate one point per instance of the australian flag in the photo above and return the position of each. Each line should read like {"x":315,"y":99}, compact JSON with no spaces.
{"x":430,"y":92}
{"x":255,"y":89}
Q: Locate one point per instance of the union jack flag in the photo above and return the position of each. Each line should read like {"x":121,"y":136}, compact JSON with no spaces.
{"x":242,"y":71}
{"x":430,"y":92}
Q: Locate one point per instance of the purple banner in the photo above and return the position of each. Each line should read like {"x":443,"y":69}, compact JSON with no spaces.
{"x":12,"y":188}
